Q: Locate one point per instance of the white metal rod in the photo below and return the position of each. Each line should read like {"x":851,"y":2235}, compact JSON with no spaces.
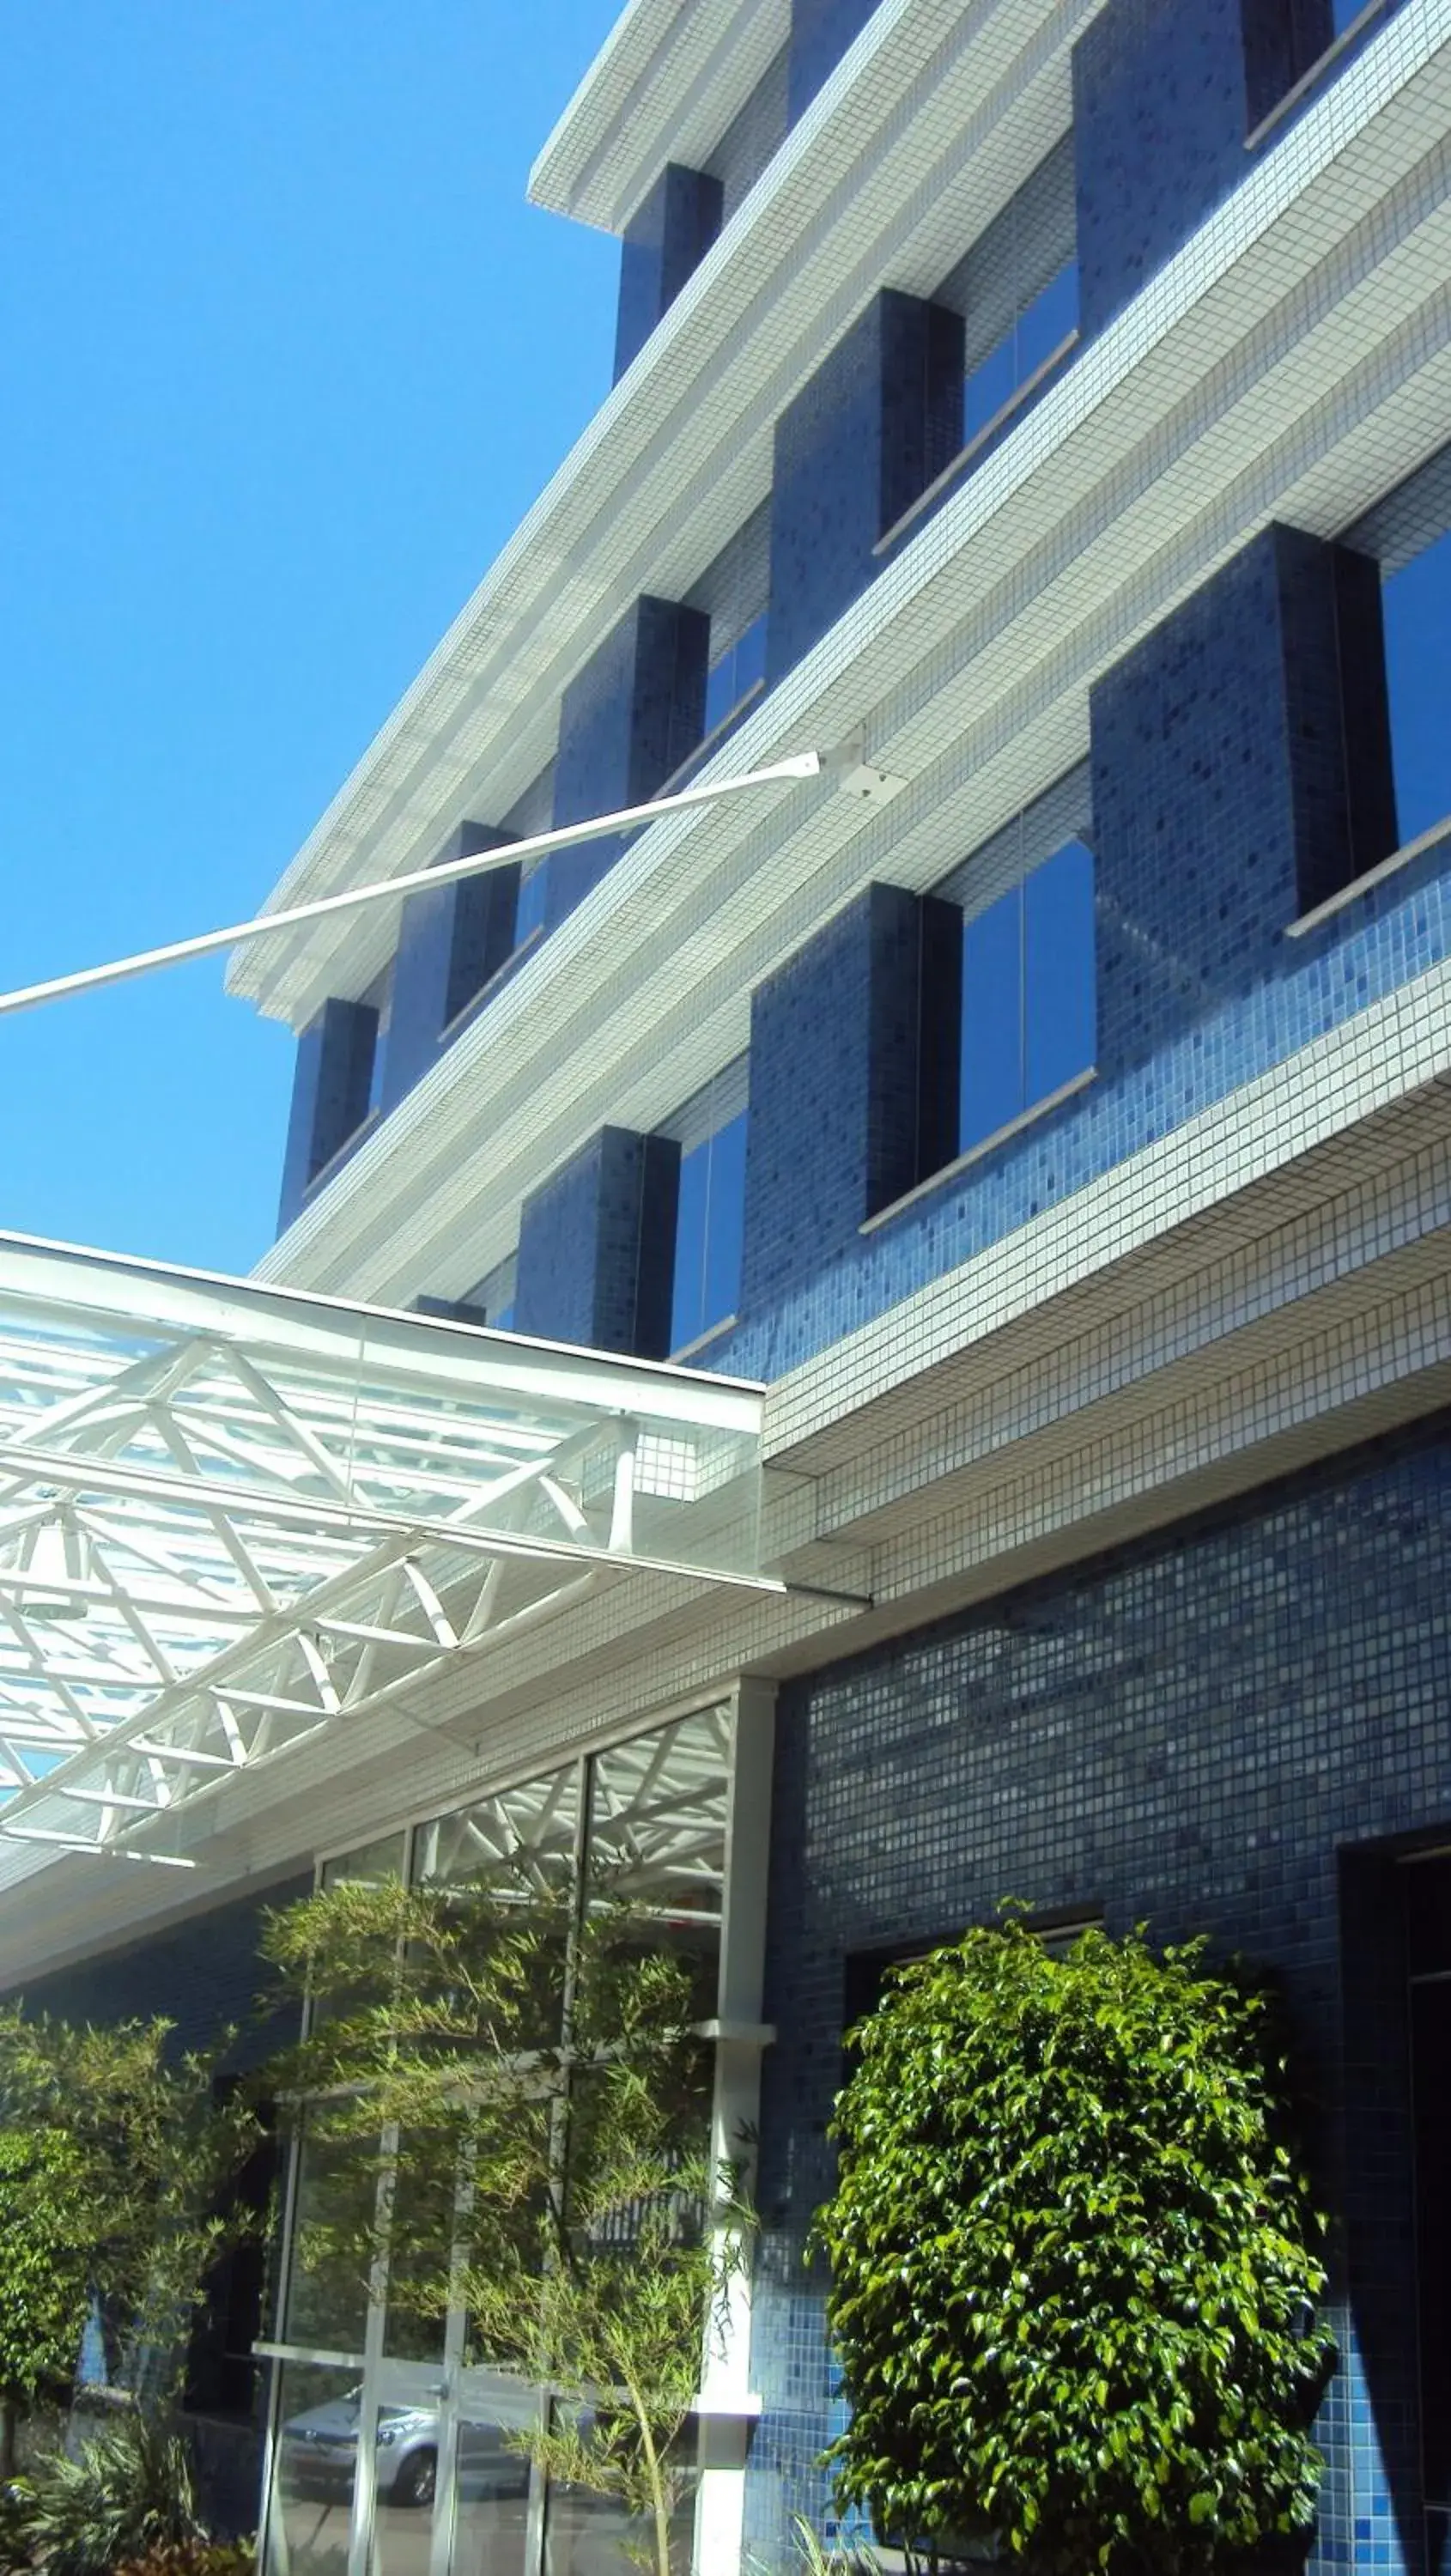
{"x":26,"y":997}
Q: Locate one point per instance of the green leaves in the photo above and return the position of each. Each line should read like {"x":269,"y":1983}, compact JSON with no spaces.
{"x":1071,"y":2260}
{"x":116,"y":2162}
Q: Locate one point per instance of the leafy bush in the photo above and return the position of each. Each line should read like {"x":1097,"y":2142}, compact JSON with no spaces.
{"x":1072,"y":2262}
{"x":194,"y":2558}
{"x":129,"y":2492}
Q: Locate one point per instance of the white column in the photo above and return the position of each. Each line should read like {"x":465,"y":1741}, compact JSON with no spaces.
{"x":728,"y":2406}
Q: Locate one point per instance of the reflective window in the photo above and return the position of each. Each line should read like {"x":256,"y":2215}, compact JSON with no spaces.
{"x":1037,"y":330}
{"x":318,"y":2412}
{"x":738,"y":675}
{"x":533,"y":894}
{"x":379,"y":997}
{"x":709,"y":1234}
{"x":586,"y":1875}
{"x":491,"y":1299}
{"x":1028,"y":1005}
{"x":1416,"y":603}
{"x":657,"y":1826}
{"x":1016,"y":288}
{"x":710,"y":1213}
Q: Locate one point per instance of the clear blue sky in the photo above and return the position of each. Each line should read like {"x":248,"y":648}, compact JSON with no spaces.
{"x":283,"y":357}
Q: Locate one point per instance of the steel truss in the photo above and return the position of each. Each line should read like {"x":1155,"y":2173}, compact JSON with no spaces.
{"x":233,"y":1518}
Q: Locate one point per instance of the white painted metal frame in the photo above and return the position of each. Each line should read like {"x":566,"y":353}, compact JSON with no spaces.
{"x":233,"y":1518}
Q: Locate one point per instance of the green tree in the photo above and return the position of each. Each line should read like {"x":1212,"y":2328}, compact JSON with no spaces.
{"x":1073,"y":2265}
{"x":139,"y":2149}
{"x":43,"y":2276}
{"x":513,"y":2109}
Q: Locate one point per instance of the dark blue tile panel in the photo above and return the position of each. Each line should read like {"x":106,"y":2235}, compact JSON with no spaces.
{"x":1164,"y":94}
{"x":665,"y":239}
{"x":1221,"y":762}
{"x":860,"y":443}
{"x":596,"y":1246}
{"x":329,"y":1096}
{"x":627,"y":721}
{"x":821,"y":32}
{"x":202,"y":1975}
{"x":450,"y":943}
{"x":1216,"y":1731}
{"x":842,"y":1119}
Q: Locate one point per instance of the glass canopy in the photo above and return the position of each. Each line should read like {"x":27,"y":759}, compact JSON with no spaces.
{"x":232,"y":1517}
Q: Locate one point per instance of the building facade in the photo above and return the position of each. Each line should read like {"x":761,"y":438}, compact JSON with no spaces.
{"x":1043,"y":409}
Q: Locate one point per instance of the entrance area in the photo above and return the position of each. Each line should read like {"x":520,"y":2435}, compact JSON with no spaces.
{"x":395,"y":2447}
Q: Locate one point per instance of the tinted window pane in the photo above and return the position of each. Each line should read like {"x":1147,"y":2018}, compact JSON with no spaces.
{"x":992,"y":1046}
{"x":988,"y":387}
{"x":1417,"y":605}
{"x":687,"y":1306}
{"x":1048,"y":320}
{"x":724,"y":1223}
{"x":530,"y":914}
{"x":1058,"y":970}
{"x":751,"y":656}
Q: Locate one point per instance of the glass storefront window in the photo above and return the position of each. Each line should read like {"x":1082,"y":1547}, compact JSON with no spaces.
{"x":326,"y":2306}
{"x":315,"y":2457}
{"x":657,"y":1825}
{"x":629,"y":1843}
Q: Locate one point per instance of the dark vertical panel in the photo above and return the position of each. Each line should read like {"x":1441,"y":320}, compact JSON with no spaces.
{"x":330,"y":1091}
{"x":628,"y":719}
{"x":665,"y":239}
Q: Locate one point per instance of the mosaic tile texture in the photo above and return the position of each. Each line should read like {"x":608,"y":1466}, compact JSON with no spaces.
{"x":1204,"y":1731}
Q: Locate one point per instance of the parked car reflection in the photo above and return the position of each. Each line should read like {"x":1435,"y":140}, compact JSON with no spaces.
{"x":319,"y":2450}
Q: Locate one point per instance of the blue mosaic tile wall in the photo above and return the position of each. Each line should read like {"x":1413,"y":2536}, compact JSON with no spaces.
{"x":450,"y":945}
{"x":329,"y":1096}
{"x":879,"y":420}
{"x":836,"y":1057}
{"x":1198,"y":796}
{"x":1188,"y":1732}
{"x":202,"y":1974}
{"x":821,"y":31}
{"x":663,"y":241}
{"x":1164,"y":94}
{"x":596,"y":1247}
{"x":1220,"y":764}
{"x":626,"y":722}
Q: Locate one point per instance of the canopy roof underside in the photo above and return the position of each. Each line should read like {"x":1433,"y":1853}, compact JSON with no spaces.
{"x":233,"y":1517}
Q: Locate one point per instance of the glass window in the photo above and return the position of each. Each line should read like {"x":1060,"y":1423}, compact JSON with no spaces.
{"x":318,"y":2414}
{"x":533,"y":890}
{"x":491,"y":1299}
{"x":1417,"y":609}
{"x":708,"y":1233}
{"x":657,"y":1825}
{"x":379,"y":997}
{"x":1028,"y":1016}
{"x":1036,"y":331}
{"x":739,"y":674}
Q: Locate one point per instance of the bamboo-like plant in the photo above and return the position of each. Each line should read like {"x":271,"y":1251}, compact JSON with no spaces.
{"x":117,"y":2186}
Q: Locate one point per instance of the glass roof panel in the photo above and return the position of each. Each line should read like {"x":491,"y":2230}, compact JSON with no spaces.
{"x":231,"y":1516}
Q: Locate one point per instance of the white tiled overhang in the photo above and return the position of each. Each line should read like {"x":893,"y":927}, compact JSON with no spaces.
{"x":1294,"y":359}
{"x":921,"y":134}
{"x":663,"y":87}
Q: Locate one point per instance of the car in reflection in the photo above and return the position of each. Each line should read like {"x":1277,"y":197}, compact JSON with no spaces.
{"x":319,"y":2453}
